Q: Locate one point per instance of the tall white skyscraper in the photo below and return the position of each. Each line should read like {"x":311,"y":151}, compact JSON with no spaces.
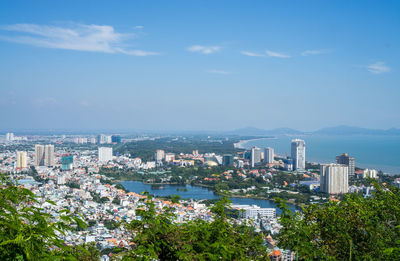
{"x":49,"y":155}
{"x":22,"y":161}
{"x":269,"y":155}
{"x":255,"y":156}
{"x":334,"y":178}
{"x":105,"y":154}
{"x":299,"y":154}
{"x":39,"y":155}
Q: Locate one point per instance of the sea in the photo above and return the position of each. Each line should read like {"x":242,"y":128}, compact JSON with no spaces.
{"x":376,"y":152}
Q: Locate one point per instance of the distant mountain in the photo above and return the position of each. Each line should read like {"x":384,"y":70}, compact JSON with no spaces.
{"x":349,"y":130}
{"x":338,"y":130}
{"x":252,"y":131}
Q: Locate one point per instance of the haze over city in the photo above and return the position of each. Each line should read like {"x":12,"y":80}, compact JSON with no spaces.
{"x":186,"y":65}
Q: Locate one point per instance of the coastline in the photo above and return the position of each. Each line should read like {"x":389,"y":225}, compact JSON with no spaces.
{"x":241,"y":144}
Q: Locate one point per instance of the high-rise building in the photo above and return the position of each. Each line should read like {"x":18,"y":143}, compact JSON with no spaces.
{"x":22,"y":161}
{"x":334,"y":178}
{"x":298,"y":154}
{"x":49,"y":155}
{"x":66,"y":162}
{"x":345,"y":159}
{"x":227,"y":160}
{"x":105,"y":154}
{"x":269,"y":155}
{"x":159,"y":156}
{"x":116,"y":139}
{"x":255,"y":156}
{"x":39,"y":155}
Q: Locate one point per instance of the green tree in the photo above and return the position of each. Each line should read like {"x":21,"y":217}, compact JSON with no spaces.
{"x":356,"y":228}
{"x":158,"y":237}
{"x":86,"y":252}
{"x":28,"y":233}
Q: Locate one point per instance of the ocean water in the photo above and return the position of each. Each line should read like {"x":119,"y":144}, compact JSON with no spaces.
{"x":378,"y":152}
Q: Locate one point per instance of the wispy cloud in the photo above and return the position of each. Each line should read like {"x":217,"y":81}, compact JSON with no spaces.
{"x":378,"y":68}
{"x":278,"y":55}
{"x":78,"y":37}
{"x":252,"y":54}
{"x":203,"y":49}
{"x":315,"y":52}
{"x":139,"y":27}
{"x":219,"y":72}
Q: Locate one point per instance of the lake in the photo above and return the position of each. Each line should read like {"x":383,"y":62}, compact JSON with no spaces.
{"x":194,"y":192}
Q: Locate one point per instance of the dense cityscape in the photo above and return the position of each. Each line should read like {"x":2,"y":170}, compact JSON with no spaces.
{"x":199,"y":130}
{"x":84,"y":174}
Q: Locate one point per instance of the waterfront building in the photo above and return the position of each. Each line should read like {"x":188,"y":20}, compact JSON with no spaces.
{"x":298,"y":152}
{"x":269,"y":155}
{"x":345,"y":159}
{"x":334,"y":178}
{"x":22,"y":161}
{"x":255,"y":156}
{"x":39,"y":155}
{"x":227,"y":160}
{"x":105,"y":154}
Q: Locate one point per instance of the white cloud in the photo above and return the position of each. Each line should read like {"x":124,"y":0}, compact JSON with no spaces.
{"x":139,"y":27}
{"x":203,"y":49}
{"x":78,"y":37}
{"x":218,"y":72}
{"x":314,"y":52}
{"x":252,"y":54}
{"x":278,"y":55}
{"x":378,"y":68}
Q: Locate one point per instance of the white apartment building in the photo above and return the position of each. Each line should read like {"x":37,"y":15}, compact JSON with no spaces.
{"x":334,"y":178}
{"x":105,"y":154}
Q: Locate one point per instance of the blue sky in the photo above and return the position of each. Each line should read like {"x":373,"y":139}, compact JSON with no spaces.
{"x":199,"y":65}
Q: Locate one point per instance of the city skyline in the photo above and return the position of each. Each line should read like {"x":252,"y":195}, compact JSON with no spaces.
{"x":219,"y":66}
